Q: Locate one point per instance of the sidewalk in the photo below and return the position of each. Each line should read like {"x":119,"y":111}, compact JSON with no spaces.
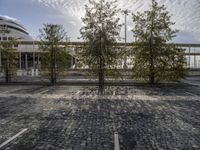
{"x":192,"y":80}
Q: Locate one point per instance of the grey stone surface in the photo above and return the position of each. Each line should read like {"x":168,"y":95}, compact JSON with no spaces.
{"x":84,"y":123}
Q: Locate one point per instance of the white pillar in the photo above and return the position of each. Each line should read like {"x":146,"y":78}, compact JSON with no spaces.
{"x":26,"y":61}
{"x":20,"y":60}
{"x":195,"y":61}
{"x":71,"y":62}
{"x":0,"y":59}
{"x":33,"y":73}
{"x":75,"y":63}
{"x":34,"y":60}
{"x":189,"y":56}
{"x":38,"y":60}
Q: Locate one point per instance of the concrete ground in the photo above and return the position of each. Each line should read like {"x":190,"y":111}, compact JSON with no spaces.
{"x":193,"y":80}
{"x":75,"y":118}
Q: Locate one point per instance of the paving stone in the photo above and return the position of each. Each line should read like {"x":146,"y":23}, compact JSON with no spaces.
{"x":89,"y":124}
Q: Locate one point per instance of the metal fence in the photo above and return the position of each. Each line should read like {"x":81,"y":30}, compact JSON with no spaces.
{"x":29,"y":61}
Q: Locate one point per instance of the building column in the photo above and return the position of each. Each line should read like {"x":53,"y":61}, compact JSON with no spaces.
{"x":33,"y":70}
{"x":26,"y":61}
{"x":0,"y":60}
{"x":189,"y":56}
{"x":75,"y":63}
{"x":38,"y":61}
{"x":125,"y":63}
{"x":20,"y":60}
{"x":72,"y":62}
{"x":34,"y":60}
{"x":195,"y":61}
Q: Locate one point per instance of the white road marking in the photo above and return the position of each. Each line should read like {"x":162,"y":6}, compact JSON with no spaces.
{"x":98,"y":108}
{"x":44,"y":91}
{"x":116,"y":141}
{"x":77,"y":93}
{"x":93,"y":97}
{"x":190,"y":94}
{"x":12,"y":138}
{"x":9,"y":91}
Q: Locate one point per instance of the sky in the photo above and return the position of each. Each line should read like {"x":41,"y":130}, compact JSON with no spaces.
{"x":32,"y":14}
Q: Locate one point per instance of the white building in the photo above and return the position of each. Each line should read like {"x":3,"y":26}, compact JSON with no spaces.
{"x":17,"y":31}
{"x":28,"y":53}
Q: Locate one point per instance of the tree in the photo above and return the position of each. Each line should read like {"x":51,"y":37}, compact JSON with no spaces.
{"x":9,"y":59}
{"x":155,"y":59}
{"x":100,"y":32}
{"x":55,"y":58}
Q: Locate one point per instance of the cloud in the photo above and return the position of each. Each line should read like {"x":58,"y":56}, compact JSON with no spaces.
{"x":72,"y":23}
{"x":184,"y":12}
{"x":73,"y":8}
{"x":129,"y":28}
{"x":9,"y":18}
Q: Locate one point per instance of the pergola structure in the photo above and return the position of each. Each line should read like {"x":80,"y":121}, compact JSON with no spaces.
{"x":29,"y":53}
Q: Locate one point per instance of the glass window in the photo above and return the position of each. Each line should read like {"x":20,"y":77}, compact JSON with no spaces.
{"x":4,"y":38}
{"x":10,"y":38}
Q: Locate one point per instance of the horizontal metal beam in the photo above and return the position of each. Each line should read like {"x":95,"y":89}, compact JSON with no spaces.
{"x":192,"y":54}
{"x":118,"y":44}
{"x":87,"y":70}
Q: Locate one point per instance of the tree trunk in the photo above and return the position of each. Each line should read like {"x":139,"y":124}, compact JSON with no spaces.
{"x":7,"y":76}
{"x":152,"y":78}
{"x":52,"y":78}
{"x":101,"y":77}
{"x":151,"y":69}
{"x":52,"y":66}
{"x":7,"y":71}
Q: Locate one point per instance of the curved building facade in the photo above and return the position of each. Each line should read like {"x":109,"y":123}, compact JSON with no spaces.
{"x":11,"y":29}
{"x":29,"y":53}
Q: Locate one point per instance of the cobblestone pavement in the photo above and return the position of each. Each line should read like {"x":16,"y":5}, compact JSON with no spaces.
{"x":74,"y":118}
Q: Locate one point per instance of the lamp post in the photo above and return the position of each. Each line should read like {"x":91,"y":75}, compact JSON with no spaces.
{"x":125,"y":12}
{"x":195,"y":64}
{"x":189,"y":56}
{"x":101,"y":71}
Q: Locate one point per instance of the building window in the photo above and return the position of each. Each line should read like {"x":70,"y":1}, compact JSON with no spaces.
{"x":4,"y":38}
{"x":15,"y":45}
{"x":10,"y":38}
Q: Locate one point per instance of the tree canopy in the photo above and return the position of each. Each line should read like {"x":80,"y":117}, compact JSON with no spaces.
{"x":154,"y":59}
{"x":55,"y":58}
{"x":100,"y":32}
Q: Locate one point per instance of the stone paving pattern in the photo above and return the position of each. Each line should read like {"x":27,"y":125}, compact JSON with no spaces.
{"x":89,"y":123}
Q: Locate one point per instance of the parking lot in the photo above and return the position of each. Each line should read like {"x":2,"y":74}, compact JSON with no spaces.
{"x":75,"y":118}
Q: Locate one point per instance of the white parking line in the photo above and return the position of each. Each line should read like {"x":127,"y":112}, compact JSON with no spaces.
{"x":12,"y":138}
{"x":77,"y":93}
{"x":116,"y":141}
{"x":9,"y":91}
{"x":191,"y":94}
{"x":98,"y":108}
{"x":44,"y":91}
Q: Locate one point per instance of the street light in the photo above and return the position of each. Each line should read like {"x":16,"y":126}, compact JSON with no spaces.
{"x":125,"y":13}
